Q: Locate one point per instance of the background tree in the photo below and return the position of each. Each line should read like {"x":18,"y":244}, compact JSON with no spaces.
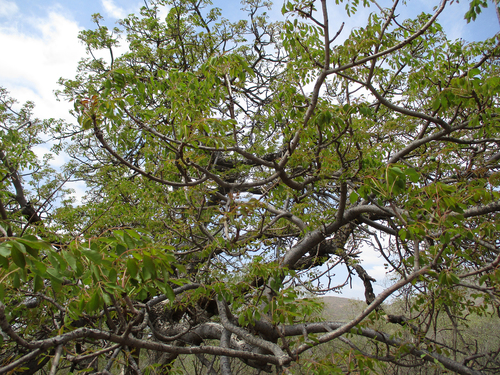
{"x":233,"y":165}
{"x":29,"y":187}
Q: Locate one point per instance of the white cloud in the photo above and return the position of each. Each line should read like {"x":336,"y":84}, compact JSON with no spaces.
{"x":37,"y":60}
{"x":7,"y":8}
{"x":57,"y":161}
{"x":35,"y":63}
{"x":113,"y":10}
{"x":163,"y":11}
{"x":79,"y":190}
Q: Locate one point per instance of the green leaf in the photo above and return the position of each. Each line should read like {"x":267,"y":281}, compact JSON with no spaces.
{"x":95,"y":302}
{"x":412,"y":174}
{"x":132,"y":267}
{"x":442,"y":278}
{"x":483,"y":278}
{"x":87,"y":123}
{"x":129,"y":241}
{"x":5,"y":250}
{"x":353,"y":198}
{"x":242,"y":321}
{"x":169,"y":292}
{"x":402,"y":234}
{"x":54,"y":274}
{"x":120,"y":71}
{"x":454,"y":278}
{"x":32,"y":251}
{"x":93,"y":255}
{"x":40,"y":268}
{"x":148,"y":269}
{"x":19,"y":246}
{"x":133,"y":234}
{"x":120,"y":249}
{"x":112,"y":275}
{"x":70,"y":259}
{"x":18,"y":257}
{"x":38,"y":283}
{"x":130,"y":99}
{"x":4,"y":262}
{"x":16,"y":280}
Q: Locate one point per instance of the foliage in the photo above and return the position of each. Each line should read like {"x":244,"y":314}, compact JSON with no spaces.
{"x":232,"y":167}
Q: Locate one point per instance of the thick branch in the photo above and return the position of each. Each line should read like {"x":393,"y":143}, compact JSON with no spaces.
{"x":244,"y":335}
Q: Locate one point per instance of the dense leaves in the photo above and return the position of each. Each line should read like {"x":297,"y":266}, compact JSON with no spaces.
{"x":233,"y":168}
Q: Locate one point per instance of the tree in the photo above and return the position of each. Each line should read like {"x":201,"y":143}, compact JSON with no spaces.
{"x":232,"y":167}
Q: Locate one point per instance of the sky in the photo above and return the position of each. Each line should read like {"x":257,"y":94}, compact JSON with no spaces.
{"x":39,"y":44}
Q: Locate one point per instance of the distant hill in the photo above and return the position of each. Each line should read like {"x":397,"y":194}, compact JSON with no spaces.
{"x":340,"y":308}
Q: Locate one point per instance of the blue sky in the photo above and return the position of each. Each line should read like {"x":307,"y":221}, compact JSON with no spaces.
{"x":39,"y":44}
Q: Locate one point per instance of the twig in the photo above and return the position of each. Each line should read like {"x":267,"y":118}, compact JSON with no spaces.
{"x":56,"y":360}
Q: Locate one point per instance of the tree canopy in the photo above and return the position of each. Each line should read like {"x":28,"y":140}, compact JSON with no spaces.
{"x":233,"y":169}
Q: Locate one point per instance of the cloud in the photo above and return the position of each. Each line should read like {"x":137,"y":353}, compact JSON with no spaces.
{"x":163,"y":11}
{"x":7,"y":8}
{"x":36,"y":53}
{"x":57,"y":161}
{"x":34,"y":62}
{"x":113,"y":10}
{"x":79,"y":190}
